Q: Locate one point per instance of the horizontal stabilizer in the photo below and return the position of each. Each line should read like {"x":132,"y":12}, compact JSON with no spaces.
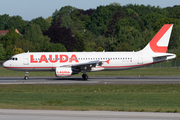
{"x":168,"y":56}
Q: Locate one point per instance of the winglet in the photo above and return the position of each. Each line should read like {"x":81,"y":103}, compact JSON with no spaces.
{"x":160,"y":41}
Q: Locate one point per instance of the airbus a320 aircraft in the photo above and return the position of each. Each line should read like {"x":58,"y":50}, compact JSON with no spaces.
{"x":69,"y":63}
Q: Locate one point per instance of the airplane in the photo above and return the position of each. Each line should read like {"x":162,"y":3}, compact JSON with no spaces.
{"x":66,"y":64}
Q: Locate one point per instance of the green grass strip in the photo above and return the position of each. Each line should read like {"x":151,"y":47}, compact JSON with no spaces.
{"x":155,"y":98}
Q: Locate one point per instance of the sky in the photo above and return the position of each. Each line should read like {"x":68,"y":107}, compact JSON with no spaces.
{"x":31,"y":9}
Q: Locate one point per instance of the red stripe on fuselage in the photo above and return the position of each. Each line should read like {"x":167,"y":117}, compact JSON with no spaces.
{"x":29,"y":67}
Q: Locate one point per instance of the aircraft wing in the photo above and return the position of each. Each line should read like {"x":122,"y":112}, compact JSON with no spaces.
{"x":87,"y":66}
{"x":82,"y":64}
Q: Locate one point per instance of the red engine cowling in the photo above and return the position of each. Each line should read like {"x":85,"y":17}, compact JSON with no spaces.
{"x":63,"y":72}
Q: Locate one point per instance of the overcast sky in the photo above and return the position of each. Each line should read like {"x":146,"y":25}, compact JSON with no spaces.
{"x":30,"y":9}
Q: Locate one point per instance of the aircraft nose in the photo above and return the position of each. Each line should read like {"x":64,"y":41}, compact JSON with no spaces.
{"x":5,"y":64}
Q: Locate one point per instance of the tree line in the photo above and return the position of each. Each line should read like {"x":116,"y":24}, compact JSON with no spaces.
{"x":112,"y":28}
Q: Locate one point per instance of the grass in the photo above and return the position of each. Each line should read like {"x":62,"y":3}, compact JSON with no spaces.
{"x":132,"y":72}
{"x":154,"y":98}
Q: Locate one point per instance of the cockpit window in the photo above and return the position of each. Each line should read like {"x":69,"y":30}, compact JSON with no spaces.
{"x":14,"y":58}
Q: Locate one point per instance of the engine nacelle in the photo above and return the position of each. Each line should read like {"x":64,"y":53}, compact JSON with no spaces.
{"x":63,"y":72}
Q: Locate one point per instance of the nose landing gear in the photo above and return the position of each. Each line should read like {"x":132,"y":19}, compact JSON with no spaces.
{"x":26,"y":77}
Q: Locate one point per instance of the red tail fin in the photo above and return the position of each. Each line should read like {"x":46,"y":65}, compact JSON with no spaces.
{"x":160,"y":41}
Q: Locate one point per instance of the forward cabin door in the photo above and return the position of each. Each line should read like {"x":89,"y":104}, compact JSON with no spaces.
{"x":26,"y":59}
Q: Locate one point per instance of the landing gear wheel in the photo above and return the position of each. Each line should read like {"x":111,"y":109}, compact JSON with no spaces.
{"x":85,"y":77}
{"x":26,"y":77}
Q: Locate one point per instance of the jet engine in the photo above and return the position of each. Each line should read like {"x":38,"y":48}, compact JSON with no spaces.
{"x":63,"y":71}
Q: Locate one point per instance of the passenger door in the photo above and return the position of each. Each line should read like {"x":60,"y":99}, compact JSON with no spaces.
{"x":26,"y":59}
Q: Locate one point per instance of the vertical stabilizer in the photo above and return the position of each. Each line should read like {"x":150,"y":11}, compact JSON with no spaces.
{"x":160,"y":41}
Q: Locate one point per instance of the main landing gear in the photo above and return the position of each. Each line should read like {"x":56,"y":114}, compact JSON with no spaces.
{"x":26,"y":77}
{"x":85,"y":77}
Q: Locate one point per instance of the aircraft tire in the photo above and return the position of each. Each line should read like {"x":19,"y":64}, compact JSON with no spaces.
{"x":85,"y":77}
{"x":26,"y":77}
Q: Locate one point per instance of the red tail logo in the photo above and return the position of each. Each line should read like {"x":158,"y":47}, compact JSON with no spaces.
{"x":157,"y":37}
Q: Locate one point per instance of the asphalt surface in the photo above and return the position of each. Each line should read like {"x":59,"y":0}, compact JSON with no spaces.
{"x":93,"y":80}
{"x":10,"y":114}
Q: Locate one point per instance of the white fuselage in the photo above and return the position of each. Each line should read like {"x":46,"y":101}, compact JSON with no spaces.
{"x":110,"y":60}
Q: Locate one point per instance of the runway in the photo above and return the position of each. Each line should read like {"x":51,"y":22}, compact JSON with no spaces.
{"x":94,"y":80}
{"x":10,"y":114}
